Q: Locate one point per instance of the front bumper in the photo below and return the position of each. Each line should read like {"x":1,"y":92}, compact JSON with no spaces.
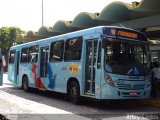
{"x":109,"y":92}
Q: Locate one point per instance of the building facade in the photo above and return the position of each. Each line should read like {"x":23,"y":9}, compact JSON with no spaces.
{"x":143,"y":16}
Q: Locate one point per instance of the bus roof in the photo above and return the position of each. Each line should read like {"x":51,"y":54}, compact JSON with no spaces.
{"x":98,"y":29}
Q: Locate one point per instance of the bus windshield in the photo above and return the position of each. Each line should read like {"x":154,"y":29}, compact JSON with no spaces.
{"x":121,"y":56}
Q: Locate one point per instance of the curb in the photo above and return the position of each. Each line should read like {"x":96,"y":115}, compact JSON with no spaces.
{"x":151,"y":102}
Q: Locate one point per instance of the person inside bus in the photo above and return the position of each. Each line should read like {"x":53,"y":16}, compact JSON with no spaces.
{"x":156,"y":79}
{"x":116,"y":54}
{"x":123,"y":55}
{"x":127,"y":54}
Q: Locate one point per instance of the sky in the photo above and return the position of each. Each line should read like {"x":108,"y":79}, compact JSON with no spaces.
{"x":27,"y":14}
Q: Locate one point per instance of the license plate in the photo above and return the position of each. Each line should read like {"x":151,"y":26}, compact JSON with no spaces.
{"x":133,"y":94}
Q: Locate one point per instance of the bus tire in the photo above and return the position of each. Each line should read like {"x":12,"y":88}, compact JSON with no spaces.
{"x":74,"y":92}
{"x":25,"y":84}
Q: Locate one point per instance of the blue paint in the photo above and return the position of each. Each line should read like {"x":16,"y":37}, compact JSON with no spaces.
{"x":50,"y":77}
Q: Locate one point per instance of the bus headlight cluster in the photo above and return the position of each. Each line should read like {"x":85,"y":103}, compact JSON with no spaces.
{"x":108,"y":79}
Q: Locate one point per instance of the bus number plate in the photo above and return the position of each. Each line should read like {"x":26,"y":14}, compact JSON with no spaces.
{"x":133,"y":94}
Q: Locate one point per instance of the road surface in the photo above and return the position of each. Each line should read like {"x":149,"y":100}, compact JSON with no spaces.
{"x":15,"y":104}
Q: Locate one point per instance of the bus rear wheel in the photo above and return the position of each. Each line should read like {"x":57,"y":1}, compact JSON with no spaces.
{"x":25,"y":84}
{"x":74,"y":92}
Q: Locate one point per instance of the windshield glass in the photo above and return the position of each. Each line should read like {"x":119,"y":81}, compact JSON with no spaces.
{"x":126,"y":57}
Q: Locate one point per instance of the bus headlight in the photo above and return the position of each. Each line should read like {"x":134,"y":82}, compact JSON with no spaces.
{"x":108,"y":79}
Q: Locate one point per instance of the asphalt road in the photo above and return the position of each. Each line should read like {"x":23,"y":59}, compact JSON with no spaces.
{"x":17,"y":104}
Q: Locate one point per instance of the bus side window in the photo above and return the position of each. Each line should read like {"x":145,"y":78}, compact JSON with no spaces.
{"x":33,"y":54}
{"x":12,"y":56}
{"x":73,"y":49}
{"x":56,"y":51}
{"x":24,"y":55}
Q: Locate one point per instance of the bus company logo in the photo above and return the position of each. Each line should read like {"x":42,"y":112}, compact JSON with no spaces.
{"x":134,"y":77}
{"x":72,"y":69}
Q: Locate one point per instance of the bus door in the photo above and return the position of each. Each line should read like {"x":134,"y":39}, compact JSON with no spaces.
{"x":17,"y":67}
{"x":43,"y":65}
{"x":90,"y":64}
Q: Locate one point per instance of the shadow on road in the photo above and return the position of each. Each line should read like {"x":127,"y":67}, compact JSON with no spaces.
{"x":88,"y":108}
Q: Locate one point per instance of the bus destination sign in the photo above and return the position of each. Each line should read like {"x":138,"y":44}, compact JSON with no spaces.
{"x":122,"y":33}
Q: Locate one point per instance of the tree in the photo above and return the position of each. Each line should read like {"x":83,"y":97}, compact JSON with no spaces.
{"x":8,"y":37}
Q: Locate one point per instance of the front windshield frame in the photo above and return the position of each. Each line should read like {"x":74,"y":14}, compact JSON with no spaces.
{"x":144,"y":61}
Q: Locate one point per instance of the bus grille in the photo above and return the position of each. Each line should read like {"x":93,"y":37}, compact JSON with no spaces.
{"x":131,"y":86}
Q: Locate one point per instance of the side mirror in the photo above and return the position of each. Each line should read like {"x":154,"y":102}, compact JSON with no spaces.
{"x":104,"y":40}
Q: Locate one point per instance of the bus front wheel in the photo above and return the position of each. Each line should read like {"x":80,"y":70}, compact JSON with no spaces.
{"x":25,"y":83}
{"x":74,"y":92}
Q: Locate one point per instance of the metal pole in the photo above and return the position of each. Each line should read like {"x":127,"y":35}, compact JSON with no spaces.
{"x":42,"y":12}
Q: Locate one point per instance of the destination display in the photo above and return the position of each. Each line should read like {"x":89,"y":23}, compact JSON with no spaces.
{"x":125,"y":33}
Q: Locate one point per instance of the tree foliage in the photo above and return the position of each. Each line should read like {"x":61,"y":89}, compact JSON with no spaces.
{"x":8,"y":37}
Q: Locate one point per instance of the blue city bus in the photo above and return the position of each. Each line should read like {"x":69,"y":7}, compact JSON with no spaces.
{"x":104,"y":62}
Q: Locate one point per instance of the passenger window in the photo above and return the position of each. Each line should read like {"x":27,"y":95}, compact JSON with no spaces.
{"x":56,"y":51}
{"x":73,"y":49}
{"x":12,"y":56}
{"x":33,"y":54}
{"x":24,"y":55}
